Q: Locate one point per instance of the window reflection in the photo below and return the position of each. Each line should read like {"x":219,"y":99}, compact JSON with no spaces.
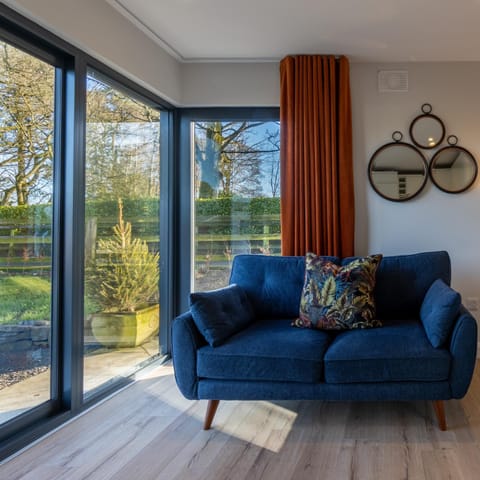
{"x":236,"y":196}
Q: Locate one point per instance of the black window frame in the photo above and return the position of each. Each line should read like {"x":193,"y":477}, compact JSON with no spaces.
{"x":184,"y":201}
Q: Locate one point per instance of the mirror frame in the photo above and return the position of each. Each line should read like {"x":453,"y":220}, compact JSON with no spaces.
{"x":384,"y":147}
{"x":434,"y":158}
{"x":427,"y":109}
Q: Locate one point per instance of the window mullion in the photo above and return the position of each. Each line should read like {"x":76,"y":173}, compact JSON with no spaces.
{"x":73,"y":215}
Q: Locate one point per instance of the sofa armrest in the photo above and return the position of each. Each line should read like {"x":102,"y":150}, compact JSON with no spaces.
{"x":186,"y":340}
{"x":463,"y":347}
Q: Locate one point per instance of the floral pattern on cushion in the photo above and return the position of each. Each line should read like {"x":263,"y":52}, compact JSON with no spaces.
{"x":338,"y":297}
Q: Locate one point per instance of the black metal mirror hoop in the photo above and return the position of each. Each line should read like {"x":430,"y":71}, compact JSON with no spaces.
{"x":397,"y":136}
{"x":452,"y":140}
{"x":397,"y":171}
{"x":427,"y":130}
{"x":453,"y":169}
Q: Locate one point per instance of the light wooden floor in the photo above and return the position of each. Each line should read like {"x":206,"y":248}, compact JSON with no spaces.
{"x":149,"y":431}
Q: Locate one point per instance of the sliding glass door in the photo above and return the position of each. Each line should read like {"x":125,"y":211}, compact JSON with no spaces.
{"x":121,"y":233}
{"x":27,"y":107}
{"x":84,"y":155}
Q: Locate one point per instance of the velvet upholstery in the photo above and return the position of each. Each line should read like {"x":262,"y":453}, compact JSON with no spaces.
{"x":273,"y":284}
{"x":463,"y":347}
{"x":439,"y":311}
{"x":218,"y":314}
{"x":268,"y":350}
{"x":403,"y":281}
{"x":397,"y":352}
{"x":186,"y":340}
{"x":393,"y":362}
{"x":338,"y":297}
{"x":368,"y":392}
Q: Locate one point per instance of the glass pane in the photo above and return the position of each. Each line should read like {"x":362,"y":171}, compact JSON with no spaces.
{"x":121,"y":234}
{"x":26,"y":189}
{"x":236,"y":196}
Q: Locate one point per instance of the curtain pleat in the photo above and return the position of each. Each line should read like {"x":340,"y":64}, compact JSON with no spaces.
{"x":317,"y":204}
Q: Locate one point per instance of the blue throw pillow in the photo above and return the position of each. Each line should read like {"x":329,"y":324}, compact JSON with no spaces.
{"x":439,"y":311}
{"x":218,"y":314}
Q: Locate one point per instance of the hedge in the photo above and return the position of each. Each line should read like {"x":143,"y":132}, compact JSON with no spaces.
{"x":26,"y":214}
{"x":224,"y":206}
{"x":148,"y":207}
{"x":132,"y":208}
{"x":213,"y":215}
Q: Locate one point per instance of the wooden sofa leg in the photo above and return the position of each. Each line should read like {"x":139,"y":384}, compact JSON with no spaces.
{"x":211,"y":409}
{"x":439,"y":408}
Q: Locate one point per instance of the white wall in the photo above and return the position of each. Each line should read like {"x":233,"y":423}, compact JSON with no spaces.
{"x":434,"y":220}
{"x":231,"y":84}
{"x":98,"y":29}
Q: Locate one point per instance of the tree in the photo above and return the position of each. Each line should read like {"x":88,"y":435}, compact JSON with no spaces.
{"x":26,"y":127}
{"x":123,"y":143}
{"x":123,"y":136}
{"x":227,"y":163}
{"x":272,"y":160}
{"x":127,"y":279}
{"x":236,"y":158}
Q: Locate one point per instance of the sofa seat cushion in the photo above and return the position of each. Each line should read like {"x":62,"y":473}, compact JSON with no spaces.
{"x":399,"y":351}
{"x":267,"y":350}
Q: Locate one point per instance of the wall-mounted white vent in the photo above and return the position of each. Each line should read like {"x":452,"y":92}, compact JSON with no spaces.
{"x":392,"y":81}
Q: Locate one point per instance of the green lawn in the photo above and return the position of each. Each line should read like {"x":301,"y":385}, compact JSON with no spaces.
{"x":24,"y":297}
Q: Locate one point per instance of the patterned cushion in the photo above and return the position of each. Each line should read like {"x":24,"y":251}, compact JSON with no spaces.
{"x":338,"y":297}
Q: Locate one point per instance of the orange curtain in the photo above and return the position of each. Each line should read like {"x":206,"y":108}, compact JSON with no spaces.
{"x":317,"y":205}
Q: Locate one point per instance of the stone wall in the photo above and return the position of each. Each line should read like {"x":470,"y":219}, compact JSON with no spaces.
{"x":24,"y":345}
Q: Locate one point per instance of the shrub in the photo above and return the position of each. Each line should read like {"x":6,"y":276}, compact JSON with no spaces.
{"x":127,"y":279}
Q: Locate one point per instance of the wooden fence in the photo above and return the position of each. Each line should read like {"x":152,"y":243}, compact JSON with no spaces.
{"x":26,"y":248}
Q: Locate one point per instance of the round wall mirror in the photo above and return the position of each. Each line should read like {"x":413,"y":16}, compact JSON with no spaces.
{"x":427,"y":130}
{"x":397,"y":171}
{"x":453,"y":169}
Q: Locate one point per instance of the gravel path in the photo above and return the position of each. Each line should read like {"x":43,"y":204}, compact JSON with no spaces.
{"x":9,"y":378}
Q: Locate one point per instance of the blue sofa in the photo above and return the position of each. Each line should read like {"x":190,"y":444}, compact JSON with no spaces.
{"x":268,"y":359}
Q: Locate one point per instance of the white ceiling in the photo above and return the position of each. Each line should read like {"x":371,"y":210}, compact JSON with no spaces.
{"x":267,"y":30}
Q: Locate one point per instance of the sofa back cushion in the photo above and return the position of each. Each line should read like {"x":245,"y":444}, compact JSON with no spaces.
{"x":403,"y":281}
{"x":273,"y":284}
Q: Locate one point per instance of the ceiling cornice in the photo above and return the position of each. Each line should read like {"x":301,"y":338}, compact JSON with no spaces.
{"x":118,"y":5}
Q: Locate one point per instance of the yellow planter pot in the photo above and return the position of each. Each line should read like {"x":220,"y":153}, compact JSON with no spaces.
{"x":126,"y":329}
